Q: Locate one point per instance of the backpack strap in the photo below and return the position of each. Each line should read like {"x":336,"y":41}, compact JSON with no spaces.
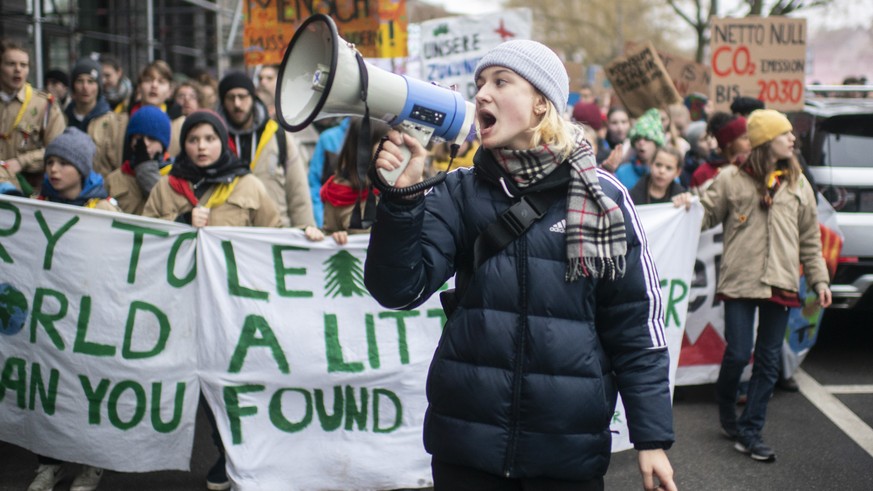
{"x":513,"y":223}
{"x":282,"y":141}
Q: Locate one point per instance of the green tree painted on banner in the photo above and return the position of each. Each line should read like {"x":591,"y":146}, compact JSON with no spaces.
{"x":344,"y":275}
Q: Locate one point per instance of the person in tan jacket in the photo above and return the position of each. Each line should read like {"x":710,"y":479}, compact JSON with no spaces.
{"x":145,"y":160}
{"x":91,"y":113}
{"x":768,"y":211}
{"x":208,"y":185}
{"x":258,"y":141}
{"x":29,"y":119}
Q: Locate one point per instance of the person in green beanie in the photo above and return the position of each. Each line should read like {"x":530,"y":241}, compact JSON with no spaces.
{"x":646,"y":137}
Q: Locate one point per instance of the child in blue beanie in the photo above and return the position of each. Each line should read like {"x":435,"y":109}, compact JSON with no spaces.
{"x":145,"y":159}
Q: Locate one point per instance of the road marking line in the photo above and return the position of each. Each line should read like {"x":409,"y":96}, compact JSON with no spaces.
{"x":853,"y":426}
{"x":849,"y":389}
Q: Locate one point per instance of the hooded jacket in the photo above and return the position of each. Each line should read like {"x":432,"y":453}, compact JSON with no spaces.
{"x":525,"y":377}
{"x":92,"y":195}
{"x":107,"y":129}
{"x":286,"y":181}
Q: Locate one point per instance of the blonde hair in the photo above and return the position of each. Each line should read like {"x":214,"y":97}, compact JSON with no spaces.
{"x":554,"y":130}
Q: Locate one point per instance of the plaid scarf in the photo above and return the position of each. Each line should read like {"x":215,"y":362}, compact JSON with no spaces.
{"x":596,"y":240}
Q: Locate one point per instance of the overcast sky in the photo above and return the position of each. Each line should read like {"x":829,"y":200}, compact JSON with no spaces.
{"x":841,"y":13}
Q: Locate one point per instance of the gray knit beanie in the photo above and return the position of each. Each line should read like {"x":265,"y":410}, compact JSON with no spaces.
{"x":89,"y":67}
{"x":74,"y":147}
{"x":536,"y":63}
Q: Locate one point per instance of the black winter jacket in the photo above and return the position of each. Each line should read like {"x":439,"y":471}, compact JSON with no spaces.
{"x":524,"y":380}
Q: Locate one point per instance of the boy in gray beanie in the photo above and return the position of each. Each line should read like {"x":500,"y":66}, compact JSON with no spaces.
{"x":73,"y":149}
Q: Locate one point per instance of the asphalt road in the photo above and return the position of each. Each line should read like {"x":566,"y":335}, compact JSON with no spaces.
{"x":813,"y":452}
{"x":822,"y":435}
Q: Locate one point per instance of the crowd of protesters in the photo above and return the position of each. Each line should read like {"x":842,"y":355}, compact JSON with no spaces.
{"x":204,"y":151}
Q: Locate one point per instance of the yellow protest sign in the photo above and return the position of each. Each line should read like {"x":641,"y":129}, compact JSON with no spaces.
{"x":377,"y":28}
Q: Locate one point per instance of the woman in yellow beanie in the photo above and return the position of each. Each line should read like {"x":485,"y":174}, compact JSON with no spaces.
{"x":768,"y":211}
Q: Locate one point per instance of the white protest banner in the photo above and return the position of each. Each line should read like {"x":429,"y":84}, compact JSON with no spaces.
{"x":96,"y":336}
{"x":703,"y":344}
{"x":451,"y":46}
{"x":759,"y":57}
{"x":314,"y":385}
{"x":673,"y":234}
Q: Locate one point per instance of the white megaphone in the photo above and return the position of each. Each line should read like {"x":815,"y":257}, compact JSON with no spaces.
{"x":321,"y":77}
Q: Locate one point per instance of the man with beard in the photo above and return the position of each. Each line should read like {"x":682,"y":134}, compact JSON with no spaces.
{"x":272,"y":155}
{"x":29,"y":120}
{"x":91,"y":113}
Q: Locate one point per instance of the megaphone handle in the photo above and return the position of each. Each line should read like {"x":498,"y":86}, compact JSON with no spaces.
{"x":420,"y":133}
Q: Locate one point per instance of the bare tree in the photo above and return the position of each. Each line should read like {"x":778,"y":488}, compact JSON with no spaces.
{"x":701,"y":11}
{"x":595,"y":31}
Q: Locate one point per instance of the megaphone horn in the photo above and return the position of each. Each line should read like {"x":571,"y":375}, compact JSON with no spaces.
{"x":320,"y":77}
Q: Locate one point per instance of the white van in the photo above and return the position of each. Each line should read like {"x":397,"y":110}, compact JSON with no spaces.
{"x":835,"y":136}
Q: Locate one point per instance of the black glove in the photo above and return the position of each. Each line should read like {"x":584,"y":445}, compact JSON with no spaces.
{"x":140,"y":153}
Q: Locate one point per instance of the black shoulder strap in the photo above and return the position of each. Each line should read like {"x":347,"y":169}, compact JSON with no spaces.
{"x":282,"y":141}
{"x":513,"y":223}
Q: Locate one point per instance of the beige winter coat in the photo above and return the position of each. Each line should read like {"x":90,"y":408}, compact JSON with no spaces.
{"x":764,"y":249}
{"x":26,"y":141}
{"x":247,"y":206}
{"x":124,"y":188}
{"x":107,"y":131}
{"x":288,"y":187}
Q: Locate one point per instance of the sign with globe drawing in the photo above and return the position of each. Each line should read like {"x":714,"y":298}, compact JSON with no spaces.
{"x":13,"y":310}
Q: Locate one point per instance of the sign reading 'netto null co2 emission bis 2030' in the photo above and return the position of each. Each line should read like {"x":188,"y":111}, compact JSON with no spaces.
{"x":759,"y":57}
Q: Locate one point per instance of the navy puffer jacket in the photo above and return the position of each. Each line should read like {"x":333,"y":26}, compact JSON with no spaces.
{"x":524,"y":380}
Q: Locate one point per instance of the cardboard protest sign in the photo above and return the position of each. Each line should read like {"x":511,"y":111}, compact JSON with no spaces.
{"x":759,"y":57}
{"x":376,"y":28}
{"x":97,"y":338}
{"x":641,"y":81}
{"x":451,"y":47}
{"x":688,"y":76}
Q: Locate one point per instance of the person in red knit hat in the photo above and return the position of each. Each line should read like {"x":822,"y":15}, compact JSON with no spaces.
{"x":729,"y":131}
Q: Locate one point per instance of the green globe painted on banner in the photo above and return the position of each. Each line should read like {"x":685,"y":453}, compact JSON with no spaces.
{"x":13,"y":309}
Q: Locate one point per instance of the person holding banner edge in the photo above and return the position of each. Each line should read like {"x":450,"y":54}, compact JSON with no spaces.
{"x":768,"y":210}
{"x":70,"y":179}
{"x":523,"y":385}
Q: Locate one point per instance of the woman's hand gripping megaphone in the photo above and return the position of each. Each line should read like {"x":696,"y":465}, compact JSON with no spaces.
{"x":401,"y":158}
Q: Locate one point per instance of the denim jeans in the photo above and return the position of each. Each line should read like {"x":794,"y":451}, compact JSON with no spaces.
{"x":739,"y":332}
